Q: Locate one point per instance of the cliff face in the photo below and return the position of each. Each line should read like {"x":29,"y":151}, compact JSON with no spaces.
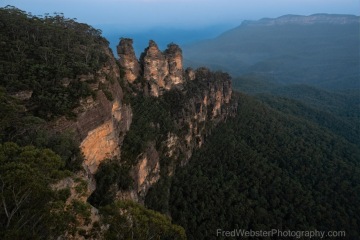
{"x":197,"y":100}
{"x":202,"y":108}
{"x":101,"y":122}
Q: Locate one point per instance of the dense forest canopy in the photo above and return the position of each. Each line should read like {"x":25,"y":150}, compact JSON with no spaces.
{"x":45,"y":55}
{"x":268,"y":170}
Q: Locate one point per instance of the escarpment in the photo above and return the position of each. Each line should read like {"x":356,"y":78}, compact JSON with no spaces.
{"x":148,"y":116}
{"x":103,"y":129}
{"x":102,"y":119}
{"x":177,"y":107}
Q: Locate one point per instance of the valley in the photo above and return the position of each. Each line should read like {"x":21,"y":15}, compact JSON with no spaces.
{"x":164,"y":143}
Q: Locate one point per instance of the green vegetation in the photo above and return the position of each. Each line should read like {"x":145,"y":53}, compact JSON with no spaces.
{"x":111,"y":177}
{"x":19,"y":126}
{"x":151,"y":122}
{"x":129,"y":220}
{"x":337,"y":111}
{"x":288,"y":160}
{"x":27,"y":199}
{"x":47,"y":65}
{"x":46,"y":56}
{"x":323,"y":55}
{"x":342,"y":122}
{"x":265,"y":170}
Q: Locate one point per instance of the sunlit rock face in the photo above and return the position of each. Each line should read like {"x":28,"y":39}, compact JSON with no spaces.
{"x":101,"y":123}
{"x":147,"y":171}
{"x":128,"y":60}
{"x":101,"y":143}
{"x":162,"y":70}
{"x":173,"y":55}
{"x":155,"y":65}
{"x":104,"y":141}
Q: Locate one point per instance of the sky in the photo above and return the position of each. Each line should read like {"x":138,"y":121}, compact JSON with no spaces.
{"x":146,"y":14}
{"x":179,"y":21}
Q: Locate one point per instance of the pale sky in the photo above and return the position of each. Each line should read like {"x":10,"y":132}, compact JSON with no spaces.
{"x":146,"y":14}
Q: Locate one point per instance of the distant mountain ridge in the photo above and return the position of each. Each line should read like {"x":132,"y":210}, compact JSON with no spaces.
{"x":305,"y":20}
{"x":321,"y":50}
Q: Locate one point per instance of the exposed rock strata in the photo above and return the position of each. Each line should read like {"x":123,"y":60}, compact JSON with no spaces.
{"x":161,"y":70}
{"x":102,"y":123}
{"x":128,"y":60}
{"x":201,"y":110}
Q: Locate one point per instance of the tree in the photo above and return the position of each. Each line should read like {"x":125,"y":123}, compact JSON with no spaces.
{"x":25,"y":193}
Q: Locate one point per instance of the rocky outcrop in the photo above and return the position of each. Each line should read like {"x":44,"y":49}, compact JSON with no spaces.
{"x":204,"y":110}
{"x":173,"y":55}
{"x":147,"y":171}
{"x":101,"y":122}
{"x":23,"y":95}
{"x":190,"y":74}
{"x":203,"y":102}
{"x":128,"y":60}
{"x":161,"y":70}
{"x":155,"y":68}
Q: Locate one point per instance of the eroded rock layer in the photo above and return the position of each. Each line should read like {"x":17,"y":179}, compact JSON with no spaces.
{"x":128,"y":60}
{"x":201,"y":98}
{"x":161,"y":70}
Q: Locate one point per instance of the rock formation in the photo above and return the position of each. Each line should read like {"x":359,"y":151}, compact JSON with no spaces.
{"x":161,"y":70}
{"x":102,"y":123}
{"x":155,"y":68}
{"x":173,"y":55}
{"x":128,"y":60}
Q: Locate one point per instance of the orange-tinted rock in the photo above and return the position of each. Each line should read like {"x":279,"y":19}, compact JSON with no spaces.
{"x":128,"y":60}
{"x":155,"y":65}
{"x":174,"y":58}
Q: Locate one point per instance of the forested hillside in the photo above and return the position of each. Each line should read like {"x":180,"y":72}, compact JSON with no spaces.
{"x":39,"y":56}
{"x":338,"y":111}
{"x":97,"y":148}
{"x":48,"y":65}
{"x":264,"y":170}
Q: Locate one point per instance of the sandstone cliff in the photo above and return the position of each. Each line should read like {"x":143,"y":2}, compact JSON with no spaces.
{"x":101,"y":122}
{"x":198,"y":99}
{"x":194,"y":101}
{"x":128,"y":60}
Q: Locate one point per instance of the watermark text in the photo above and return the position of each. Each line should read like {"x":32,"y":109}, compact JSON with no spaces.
{"x":279,"y":233}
